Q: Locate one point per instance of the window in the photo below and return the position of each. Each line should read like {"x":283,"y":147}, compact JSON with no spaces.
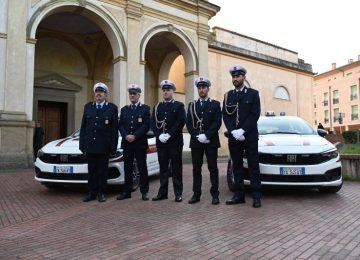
{"x":336,"y":114}
{"x":353,"y":92}
{"x":326,"y":116}
{"x":314,"y":101}
{"x":315,"y":119}
{"x":336,"y":97}
{"x":326,"y":99}
{"x":282,"y":93}
{"x":355,"y":112}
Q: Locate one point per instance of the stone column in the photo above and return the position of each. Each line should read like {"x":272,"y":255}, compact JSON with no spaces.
{"x":16,"y":127}
{"x":134,"y":13}
{"x":119,"y":82}
{"x":190,"y":90}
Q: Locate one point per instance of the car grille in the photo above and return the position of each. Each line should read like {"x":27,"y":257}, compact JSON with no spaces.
{"x":331,"y":175}
{"x":292,"y":159}
{"x":63,"y":158}
{"x":113,"y":173}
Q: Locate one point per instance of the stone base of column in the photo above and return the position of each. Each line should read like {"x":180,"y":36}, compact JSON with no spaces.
{"x":16,"y":137}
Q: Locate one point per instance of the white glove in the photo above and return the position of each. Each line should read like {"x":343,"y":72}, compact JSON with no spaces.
{"x":207,"y":141}
{"x":238,"y":133}
{"x":241,"y":138}
{"x":166,"y":137}
{"x":162,"y":138}
{"x":201,"y":138}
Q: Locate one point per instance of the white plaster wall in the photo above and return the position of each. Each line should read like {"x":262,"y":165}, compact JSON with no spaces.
{"x":253,"y":45}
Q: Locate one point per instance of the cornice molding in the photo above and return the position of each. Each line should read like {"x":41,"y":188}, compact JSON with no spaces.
{"x":134,"y":10}
{"x":118,"y":59}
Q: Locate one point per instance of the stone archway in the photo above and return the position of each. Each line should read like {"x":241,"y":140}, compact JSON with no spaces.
{"x":159,"y":48}
{"x":97,"y":15}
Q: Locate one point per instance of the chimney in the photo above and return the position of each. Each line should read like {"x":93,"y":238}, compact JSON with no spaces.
{"x":333,"y":65}
{"x":350,"y":61}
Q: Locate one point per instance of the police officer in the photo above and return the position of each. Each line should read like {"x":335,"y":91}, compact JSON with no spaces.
{"x":133,"y":125}
{"x":167,"y":122}
{"x":241,"y":111}
{"x":203,"y":122}
{"x":98,"y":139}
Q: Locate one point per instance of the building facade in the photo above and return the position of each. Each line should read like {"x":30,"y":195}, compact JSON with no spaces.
{"x":52,"y":52}
{"x":336,"y":97}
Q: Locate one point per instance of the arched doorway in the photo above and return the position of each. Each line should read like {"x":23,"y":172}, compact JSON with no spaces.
{"x":75,"y":48}
{"x":167,"y":53}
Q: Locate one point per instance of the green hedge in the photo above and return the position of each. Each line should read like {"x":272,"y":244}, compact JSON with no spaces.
{"x":350,"y":137}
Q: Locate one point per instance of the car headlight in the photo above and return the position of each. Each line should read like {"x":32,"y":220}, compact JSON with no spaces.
{"x":332,"y":154}
{"x":40,"y":153}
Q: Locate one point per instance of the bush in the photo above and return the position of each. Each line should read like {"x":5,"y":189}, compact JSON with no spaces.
{"x":350,"y":137}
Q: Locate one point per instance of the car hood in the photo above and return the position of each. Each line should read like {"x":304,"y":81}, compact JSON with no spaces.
{"x":283,"y":143}
{"x":68,"y":145}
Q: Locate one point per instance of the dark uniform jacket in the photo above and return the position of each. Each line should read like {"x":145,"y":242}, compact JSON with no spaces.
{"x":169,"y":118}
{"x":205,"y":119}
{"x":99,"y":129}
{"x":248,"y":113}
{"x":134,"y":122}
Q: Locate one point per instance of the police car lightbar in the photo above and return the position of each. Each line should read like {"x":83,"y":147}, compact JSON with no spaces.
{"x":270,"y":113}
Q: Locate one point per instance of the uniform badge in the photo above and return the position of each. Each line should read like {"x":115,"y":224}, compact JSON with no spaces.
{"x":106,"y":122}
{"x":140,"y":119}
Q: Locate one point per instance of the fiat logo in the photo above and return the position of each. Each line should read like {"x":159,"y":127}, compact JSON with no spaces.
{"x":64,"y":157}
{"x":291,"y":158}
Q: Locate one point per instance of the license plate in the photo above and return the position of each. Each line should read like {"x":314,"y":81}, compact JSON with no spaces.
{"x":63,"y":169}
{"x":292,"y":171}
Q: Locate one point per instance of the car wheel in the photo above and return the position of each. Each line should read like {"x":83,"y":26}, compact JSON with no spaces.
{"x":136,"y":177}
{"x":53,"y":186}
{"x":230,"y":176}
{"x":333,"y":189}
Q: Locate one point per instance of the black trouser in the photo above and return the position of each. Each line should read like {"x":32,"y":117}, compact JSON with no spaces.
{"x":174,"y":156}
{"x":140,"y":155}
{"x":236,"y":153}
{"x":197,"y":155}
{"x":98,"y":173}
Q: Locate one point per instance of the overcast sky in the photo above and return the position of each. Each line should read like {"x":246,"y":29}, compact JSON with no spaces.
{"x":320,"y":31}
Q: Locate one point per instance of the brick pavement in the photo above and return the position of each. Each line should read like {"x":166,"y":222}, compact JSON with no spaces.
{"x":37,"y":223}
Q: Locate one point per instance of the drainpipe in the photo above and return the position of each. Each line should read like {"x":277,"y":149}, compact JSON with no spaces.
{"x":330,"y":101}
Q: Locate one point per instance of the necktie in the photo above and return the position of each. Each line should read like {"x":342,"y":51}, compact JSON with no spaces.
{"x":98,"y":107}
{"x":201,"y":102}
{"x":133,"y":107}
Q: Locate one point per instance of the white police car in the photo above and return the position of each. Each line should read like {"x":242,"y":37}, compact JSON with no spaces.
{"x":61,"y":162}
{"x":292,"y":153}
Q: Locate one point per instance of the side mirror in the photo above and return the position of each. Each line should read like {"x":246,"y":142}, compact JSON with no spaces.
{"x":322,"y":132}
{"x":150,"y":134}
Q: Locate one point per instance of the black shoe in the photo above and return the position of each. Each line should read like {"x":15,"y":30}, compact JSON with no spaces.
{"x":194,"y":199}
{"x":89,"y":197}
{"x":101,"y":198}
{"x":257,"y":203}
{"x":144,"y":196}
{"x":178,"y":199}
{"x":160,"y":197}
{"x":235,"y":200}
{"x":215,"y":201}
{"x":123,"y":196}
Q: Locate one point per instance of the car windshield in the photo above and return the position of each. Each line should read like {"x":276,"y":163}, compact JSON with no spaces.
{"x":284,"y":125}
{"x":76,"y":133}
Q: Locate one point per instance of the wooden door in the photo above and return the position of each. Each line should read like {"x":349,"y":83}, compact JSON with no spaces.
{"x":52,"y":116}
